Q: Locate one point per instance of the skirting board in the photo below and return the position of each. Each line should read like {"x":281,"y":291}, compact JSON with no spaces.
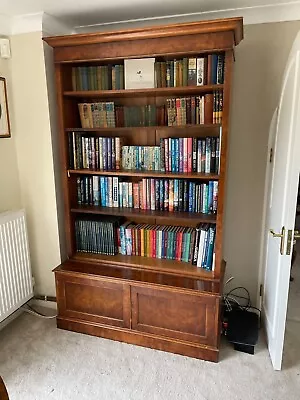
{"x":45,"y":304}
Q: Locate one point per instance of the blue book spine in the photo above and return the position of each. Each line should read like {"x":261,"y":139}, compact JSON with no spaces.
{"x":191,"y":196}
{"x":104,"y":144}
{"x":211,"y":241}
{"x":176,"y":194}
{"x":106,"y":192}
{"x":102,"y":190}
{"x":173,"y":155}
{"x":210,"y":196}
{"x":205,"y":249}
{"x":122,"y":240}
{"x":109,"y":151}
{"x":194,"y":197}
{"x":161,"y":194}
{"x":176,"y":155}
{"x":214,"y":66}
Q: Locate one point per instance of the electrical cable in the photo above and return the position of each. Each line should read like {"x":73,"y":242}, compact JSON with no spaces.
{"x":32,"y":311}
{"x":230,"y":299}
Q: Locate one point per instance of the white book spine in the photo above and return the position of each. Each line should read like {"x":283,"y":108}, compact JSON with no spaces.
{"x":115,"y":191}
{"x":200,"y":250}
{"x":200,"y":71}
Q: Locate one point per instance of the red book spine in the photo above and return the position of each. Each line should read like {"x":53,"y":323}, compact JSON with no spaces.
{"x":139,"y":241}
{"x":178,"y":112}
{"x":179,"y":245}
{"x":189,"y":154}
{"x":133,"y":232}
{"x":136,"y":198}
{"x":154,"y":243}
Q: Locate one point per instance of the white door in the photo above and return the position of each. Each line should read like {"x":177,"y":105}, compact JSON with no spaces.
{"x":281,"y":206}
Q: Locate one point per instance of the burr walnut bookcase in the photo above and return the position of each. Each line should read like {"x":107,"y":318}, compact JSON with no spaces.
{"x":158,"y":303}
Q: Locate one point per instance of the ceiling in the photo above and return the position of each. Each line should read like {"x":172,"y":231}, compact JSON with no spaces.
{"x":81,"y":13}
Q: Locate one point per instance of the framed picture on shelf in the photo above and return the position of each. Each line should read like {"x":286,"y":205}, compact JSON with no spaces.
{"x":4,"y":117}
{"x":139,"y":73}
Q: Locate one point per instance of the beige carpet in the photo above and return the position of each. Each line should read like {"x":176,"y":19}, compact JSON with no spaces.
{"x":39,"y":362}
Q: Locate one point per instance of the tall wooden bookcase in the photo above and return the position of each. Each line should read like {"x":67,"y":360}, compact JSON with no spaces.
{"x":163,"y":304}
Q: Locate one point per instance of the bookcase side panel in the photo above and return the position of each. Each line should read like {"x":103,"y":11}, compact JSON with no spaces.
{"x":63,"y":116}
{"x":223,"y":160}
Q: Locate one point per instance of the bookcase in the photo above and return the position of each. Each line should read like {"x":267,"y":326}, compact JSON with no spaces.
{"x":143,"y":175}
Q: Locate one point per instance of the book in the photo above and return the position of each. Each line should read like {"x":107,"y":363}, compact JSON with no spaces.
{"x":192,"y":71}
{"x":201,"y":71}
{"x":139,"y":73}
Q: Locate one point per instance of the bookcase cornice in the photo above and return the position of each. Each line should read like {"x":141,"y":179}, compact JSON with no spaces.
{"x":219,"y":26}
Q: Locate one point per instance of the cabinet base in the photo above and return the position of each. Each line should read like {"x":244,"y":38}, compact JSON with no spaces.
{"x":141,"y":339}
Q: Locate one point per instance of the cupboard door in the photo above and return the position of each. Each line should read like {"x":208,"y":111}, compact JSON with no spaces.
{"x":188,"y":317}
{"x":93,"y":300}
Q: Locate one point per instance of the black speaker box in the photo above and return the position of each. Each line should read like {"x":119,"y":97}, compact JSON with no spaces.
{"x":242,"y":331}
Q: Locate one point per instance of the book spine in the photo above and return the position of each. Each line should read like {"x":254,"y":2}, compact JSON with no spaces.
{"x":115,"y":191}
{"x":189,"y":154}
{"x":200,"y":71}
{"x":192,"y":71}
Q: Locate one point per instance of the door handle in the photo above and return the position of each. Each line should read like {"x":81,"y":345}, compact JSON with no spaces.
{"x":279,"y":235}
{"x":296,"y":235}
{"x":289,"y":240}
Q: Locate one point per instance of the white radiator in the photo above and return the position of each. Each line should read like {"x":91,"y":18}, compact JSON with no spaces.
{"x":16,"y":286}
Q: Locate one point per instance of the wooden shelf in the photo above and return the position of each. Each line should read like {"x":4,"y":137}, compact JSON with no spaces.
{"x":135,"y":212}
{"x":168,"y":91}
{"x":147,"y":263}
{"x":146,"y":174}
{"x":156,"y":127}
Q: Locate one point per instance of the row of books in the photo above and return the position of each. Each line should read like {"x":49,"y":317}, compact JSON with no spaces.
{"x":188,"y":71}
{"x":206,"y":109}
{"x":97,"y":236}
{"x":190,"y":155}
{"x":141,"y":158}
{"x":108,"y":235}
{"x":129,"y":116}
{"x":173,"y":155}
{"x":192,"y":71}
{"x":97,"y":115}
{"x":102,"y":153}
{"x":204,"y":239}
{"x":179,"y":243}
{"x":148,"y":194}
{"x":103,"y":77}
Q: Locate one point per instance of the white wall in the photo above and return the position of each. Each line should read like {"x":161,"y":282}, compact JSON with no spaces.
{"x":35,"y":158}
{"x":259,"y":66}
{"x":10,"y":195}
